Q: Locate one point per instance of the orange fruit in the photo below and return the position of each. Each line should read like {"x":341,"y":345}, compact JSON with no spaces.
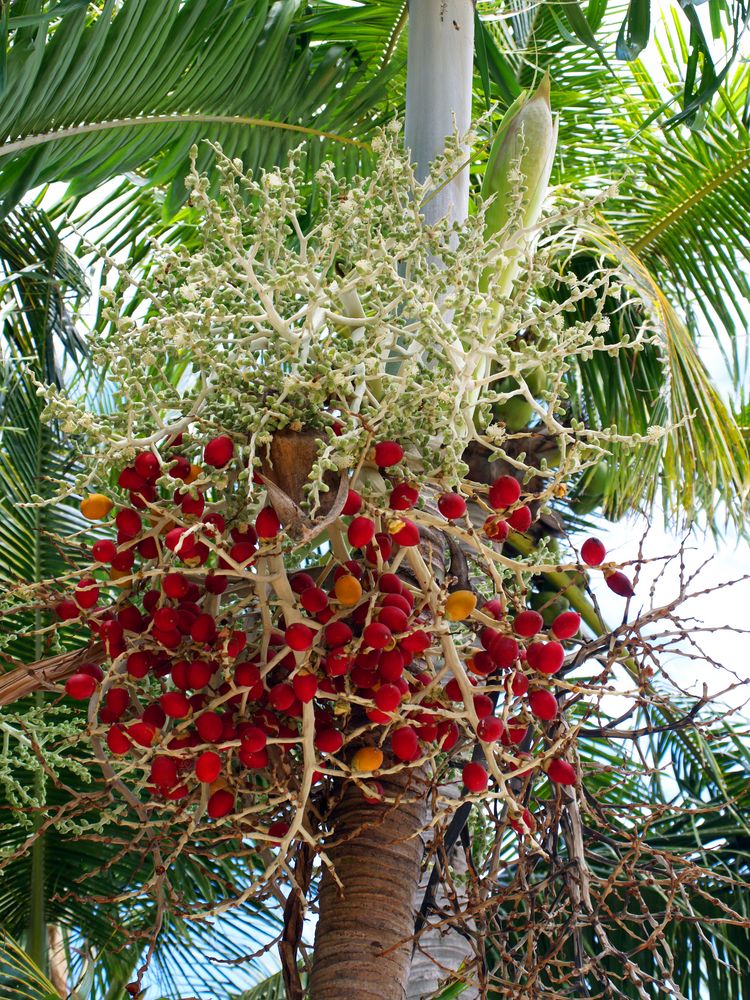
{"x":348,"y":590}
{"x":95,"y":506}
{"x":459,"y":605}
{"x":195,"y":471}
{"x":367,"y":759}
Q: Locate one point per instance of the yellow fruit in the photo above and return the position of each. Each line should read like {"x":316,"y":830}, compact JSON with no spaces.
{"x":96,"y":506}
{"x":120,"y":577}
{"x":460,"y":605}
{"x":348,"y":590}
{"x":367,"y":759}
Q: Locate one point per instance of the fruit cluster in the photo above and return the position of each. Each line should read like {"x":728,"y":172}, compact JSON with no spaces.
{"x":230,"y":684}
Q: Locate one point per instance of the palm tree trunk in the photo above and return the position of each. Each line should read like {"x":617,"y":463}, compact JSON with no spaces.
{"x":363,"y":941}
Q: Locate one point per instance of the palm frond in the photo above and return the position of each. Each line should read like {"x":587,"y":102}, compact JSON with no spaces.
{"x":20,"y":978}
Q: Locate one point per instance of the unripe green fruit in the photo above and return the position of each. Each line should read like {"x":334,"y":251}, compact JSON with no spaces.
{"x":549,"y":604}
{"x":591,"y":489}
{"x":516,"y":413}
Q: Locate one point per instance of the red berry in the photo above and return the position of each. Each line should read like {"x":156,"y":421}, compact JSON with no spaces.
{"x":143,"y":733}
{"x":543,"y":705}
{"x":452,"y":506}
{"x":299,"y":637}
{"x":520,"y":520}
{"x":389,"y":583}
{"x":67,"y":610}
{"x":104,"y":550}
{"x":619,"y":584}
{"x":281,"y":697}
{"x":376,"y":635}
{"x":267,"y":523}
{"x":175,"y":585}
{"x":329,"y":740}
{"x":277,"y":831}
{"x":395,"y":618}
{"x":87,"y":592}
{"x":175,"y":705}
{"x":496,"y":529}
{"x":80,"y":686}
{"x":504,"y":492}
{"x":547,"y":657}
{"x":216,"y":584}
{"x":129,"y":524}
{"x":253,"y":738}
{"x":305,"y":687}
{"x":593,"y":552}
{"x":490,"y":729}
{"x":388,"y":453}
{"x":220,"y":803}
{"x":361,"y":532}
{"x":210,"y":727}
{"x":475,"y":777}
{"x":403,"y":497}
{"x":388,"y":697}
{"x":566,"y":625}
{"x":408,"y":535}
{"x":448,"y":734}
{"x":147,"y":466}
{"x":164,"y":771}
{"x":301,"y":582}
{"x":416,"y":642}
{"x":199,"y":673}
{"x":313,"y":599}
{"x":130,"y":480}
{"x":117,"y":741}
{"x":91,"y":670}
{"x":405,"y":743}
{"x":483,"y":705}
{"x":203,"y":629}
{"x":207,"y":767}
{"x":116,"y":701}
{"x":528,"y":623}
{"x":561,"y":772}
{"x":338,"y":634}
{"x":352,"y":504}
{"x":219,"y":451}
{"x":519,"y":684}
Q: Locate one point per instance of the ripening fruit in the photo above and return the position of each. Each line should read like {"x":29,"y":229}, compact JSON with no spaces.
{"x":496,"y":528}
{"x":504,"y":492}
{"x":566,"y":625}
{"x":267,"y":523}
{"x":373,"y":793}
{"x":452,"y":506}
{"x":220,"y":803}
{"x":528,"y":623}
{"x":208,"y":767}
{"x":405,"y":533}
{"x":543,"y":705}
{"x":490,"y":729}
{"x":520,"y":519}
{"x":547,"y":657}
{"x":361,"y":532}
{"x":299,"y":637}
{"x":95,"y":506}
{"x":475,"y":777}
{"x":348,"y":590}
{"x":219,"y":451}
{"x":104,"y":550}
{"x":405,"y":743}
{"x":619,"y":584}
{"x":143,"y":733}
{"x":388,"y":453}
{"x":593,"y":552}
{"x":459,"y":605}
{"x":352,"y":504}
{"x":80,"y":686}
{"x":561,"y":772}
{"x":367,"y":759}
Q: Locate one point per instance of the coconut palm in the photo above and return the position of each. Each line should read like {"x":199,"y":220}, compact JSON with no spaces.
{"x":131,"y":65}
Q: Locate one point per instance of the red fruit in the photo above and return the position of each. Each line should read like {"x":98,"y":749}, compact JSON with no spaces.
{"x":129,"y":524}
{"x":207,"y":767}
{"x":504,"y":492}
{"x":405,"y":743}
{"x":175,"y":705}
{"x":389,"y":583}
{"x":408,"y":535}
{"x":299,"y":637}
{"x":305,"y":687}
{"x":520,"y":520}
{"x":256,"y":761}
{"x":515,"y":733}
{"x":526,"y":823}
{"x":593,"y":552}
{"x":104,"y":550}
{"x":220,"y":803}
{"x":165,"y":619}
{"x":361,"y":532}
{"x":494,"y":609}
{"x":154,"y":715}
{"x":143,"y":733}
{"x":219,"y":451}
{"x":388,"y":697}
{"x":281,"y":697}
{"x":117,"y":741}
{"x":383,"y":546}
{"x":561,"y":772}
{"x":528,"y":623}
{"x":547,"y":657}
{"x":496,"y":529}
{"x":267,"y":523}
{"x":277,"y":831}
{"x":504,"y":651}
{"x":490,"y":729}
{"x":391,"y":665}
{"x":124,"y":560}
{"x":329,"y":740}
{"x":209,"y":726}
{"x":338,"y":634}
{"x":352,"y":504}
{"x":475,"y":777}
{"x":543,"y":705}
{"x":519,"y":684}
{"x":203,"y":629}
{"x":313,"y":599}
{"x":301,"y":582}
{"x":253,"y":739}
{"x":416,"y":642}
{"x":130,"y":480}
{"x":448,"y":734}
{"x":148,"y":547}
{"x":67,"y":610}
{"x":199,"y":673}
{"x":147,"y":466}
{"x":374,"y":794}
{"x":566,"y":625}
{"x":394,"y":618}
{"x":175,"y":585}
{"x":403,"y":496}
{"x":619,"y":584}
{"x":376,"y":635}
{"x":164,"y":771}
{"x":388,"y":453}
{"x":177,"y":540}
{"x":80,"y":686}
{"x":91,"y":670}
{"x":216,"y":584}
{"x":483,"y":705}
{"x":117,"y":700}
{"x":452,"y":506}
{"x":215,"y":525}
{"x":87,"y":592}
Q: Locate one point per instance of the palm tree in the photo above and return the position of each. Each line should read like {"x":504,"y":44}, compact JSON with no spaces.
{"x":281,"y":41}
